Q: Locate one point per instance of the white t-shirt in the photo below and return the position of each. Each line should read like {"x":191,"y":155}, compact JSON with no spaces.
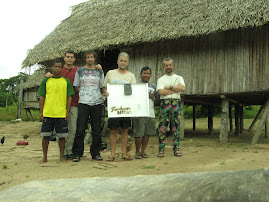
{"x":166,"y":80}
{"x":113,"y":76}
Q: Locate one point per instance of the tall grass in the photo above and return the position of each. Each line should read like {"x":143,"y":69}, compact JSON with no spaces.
{"x":10,"y":113}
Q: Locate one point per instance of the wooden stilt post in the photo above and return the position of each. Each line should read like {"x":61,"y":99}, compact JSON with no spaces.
{"x":224,"y":120}
{"x":236,"y":120}
{"x":241,"y":119}
{"x":261,"y":124}
{"x":193,"y":118}
{"x":210,"y":119}
{"x":182,"y":119}
{"x":231,"y":117}
{"x":256,"y":118}
{"x":266,"y":127}
{"x":20,"y":100}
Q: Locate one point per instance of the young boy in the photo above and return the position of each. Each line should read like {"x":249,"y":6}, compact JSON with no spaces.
{"x":55,"y":102}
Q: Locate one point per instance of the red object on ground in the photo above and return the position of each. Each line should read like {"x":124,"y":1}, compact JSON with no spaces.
{"x":23,"y":143}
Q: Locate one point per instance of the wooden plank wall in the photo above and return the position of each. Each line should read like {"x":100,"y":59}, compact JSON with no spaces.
{"x":228,"y":62}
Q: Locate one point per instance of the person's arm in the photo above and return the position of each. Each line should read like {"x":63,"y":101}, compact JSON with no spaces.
{"x":104,"y":91}
{"x":165,"y":91}
{"x":176,"y":89}
{"x":41,"y":106}
{"x":48,"y":75}
{"x":76,"y":89}
{"x":98,"y":67}
{"x":76,"y":82}
{"x":68,"y":106}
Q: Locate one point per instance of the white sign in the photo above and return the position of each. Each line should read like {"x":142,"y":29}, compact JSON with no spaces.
{"x":134,"y":105}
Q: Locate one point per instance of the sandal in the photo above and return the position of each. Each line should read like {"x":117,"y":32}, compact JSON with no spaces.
{"x":76,"y":159}
{"x":178,"y":154}
{"x":143,"y":155}
{"x":97,"y":158}
{"x":138,"y":156}
{"x":161,"y":154}
{"x":126,"y":157}
{"x":110,"y":158}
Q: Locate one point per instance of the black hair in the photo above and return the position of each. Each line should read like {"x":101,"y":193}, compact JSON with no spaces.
{"x":144,"y":69}
{"x":91,"y":52}
{"x":58,"y":61}
{"x":70,"y":51}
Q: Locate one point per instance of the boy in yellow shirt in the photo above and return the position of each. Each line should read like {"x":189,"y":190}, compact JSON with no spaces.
{"x":55,"y":102}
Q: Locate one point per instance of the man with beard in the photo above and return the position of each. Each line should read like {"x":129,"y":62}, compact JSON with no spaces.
{"x":170,"y":87}
{"x":89,"y":83}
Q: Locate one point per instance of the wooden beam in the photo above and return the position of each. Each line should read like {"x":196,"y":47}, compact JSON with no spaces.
{"x":20,"y":100}
{"x":266,"y":127}
{"x":224,"y":121}
{"x":200,"y":101}
{"x":241,"y":119}
{"x":261,"y":124}
{"x":193,"y":118}
{"x":210,"y":119}
{"x":236,"y":120}
{"x":256,"y":118}
{"x":231,"y":118}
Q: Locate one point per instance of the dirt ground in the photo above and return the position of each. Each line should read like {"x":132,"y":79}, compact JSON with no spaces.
{"x":201,"y":153}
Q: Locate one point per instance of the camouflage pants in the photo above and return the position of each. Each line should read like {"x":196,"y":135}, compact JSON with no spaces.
{"x":170,"y":112}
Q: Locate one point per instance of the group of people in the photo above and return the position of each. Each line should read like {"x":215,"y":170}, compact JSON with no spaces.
{"x":71,"y":96}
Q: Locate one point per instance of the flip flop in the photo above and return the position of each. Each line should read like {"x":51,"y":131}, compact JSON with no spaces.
{"x":97,"y":158}
{"x":161,"y":154}
{"x":76,"y":159}
{"x":143,"y":155}
{"x":138,"y":156}
{"x":178,"y":154}
{"x":110,"y":158}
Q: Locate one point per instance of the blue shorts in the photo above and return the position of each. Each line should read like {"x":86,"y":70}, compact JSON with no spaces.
{"x":60,"y":125}
{"x":123,"y":122}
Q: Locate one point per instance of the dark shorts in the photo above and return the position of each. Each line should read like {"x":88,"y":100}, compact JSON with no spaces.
{"x":144,"y":126}
{"x":123,"y":122}
{"x":60,"y":125}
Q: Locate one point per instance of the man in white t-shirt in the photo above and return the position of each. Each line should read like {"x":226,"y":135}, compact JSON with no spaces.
{"x":123,"y":76}
{"x":170,"y":86}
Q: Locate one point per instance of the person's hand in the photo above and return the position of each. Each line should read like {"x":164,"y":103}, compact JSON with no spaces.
{"x":48,"y":75}
{"x":41,"y":118}
{"x":67,"y":117}
{"x":151,"y":96}
{"x":98,"y":67}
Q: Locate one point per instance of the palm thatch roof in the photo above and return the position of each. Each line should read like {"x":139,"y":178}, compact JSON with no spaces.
{"x":104,"y":24}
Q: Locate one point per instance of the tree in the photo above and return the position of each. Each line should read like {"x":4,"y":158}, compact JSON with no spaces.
{"x":8,"y":89}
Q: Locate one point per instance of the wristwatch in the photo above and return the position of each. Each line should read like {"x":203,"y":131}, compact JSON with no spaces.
{"x":171,"y":87}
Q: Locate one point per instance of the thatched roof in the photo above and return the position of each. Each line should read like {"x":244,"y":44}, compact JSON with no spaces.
{"x":103,"y":24}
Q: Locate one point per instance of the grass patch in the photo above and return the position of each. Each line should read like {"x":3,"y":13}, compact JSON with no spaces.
{"x":149,"y":167}
{"x":4,"y":166}
{"x":10,"y":113}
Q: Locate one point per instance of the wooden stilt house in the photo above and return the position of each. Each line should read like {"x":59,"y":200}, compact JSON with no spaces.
{"x":220,"y":47}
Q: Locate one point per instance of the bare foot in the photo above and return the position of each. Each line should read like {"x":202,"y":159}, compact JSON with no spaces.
{"x":43,"y":161}
{"x":62,"y":160}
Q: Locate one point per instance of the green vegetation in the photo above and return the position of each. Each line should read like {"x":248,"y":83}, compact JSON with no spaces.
{"x":249,"y":112}
{"x":8,"y":89}
{"x":10,"y":113}
{"x":149,"y":167}
{"x":4,"y":166}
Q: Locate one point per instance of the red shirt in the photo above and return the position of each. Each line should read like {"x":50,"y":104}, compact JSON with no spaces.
{"x":70,"y":74}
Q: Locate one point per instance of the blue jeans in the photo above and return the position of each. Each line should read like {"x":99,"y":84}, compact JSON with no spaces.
{"x":95,"y":114}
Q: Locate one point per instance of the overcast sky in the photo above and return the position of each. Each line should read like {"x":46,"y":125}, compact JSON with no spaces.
{"x":24,"y":23}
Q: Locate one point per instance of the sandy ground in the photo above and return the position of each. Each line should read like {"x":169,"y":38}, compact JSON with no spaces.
{"x":202,"y":153}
